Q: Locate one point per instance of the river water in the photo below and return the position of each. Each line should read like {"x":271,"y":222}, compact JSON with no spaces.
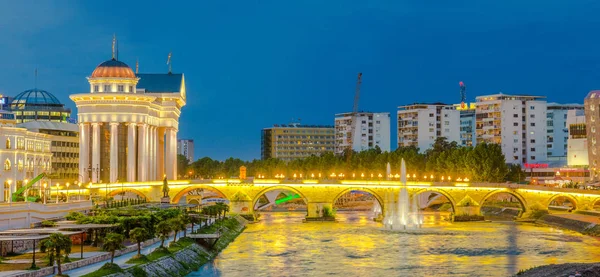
{"x":281,"y":245}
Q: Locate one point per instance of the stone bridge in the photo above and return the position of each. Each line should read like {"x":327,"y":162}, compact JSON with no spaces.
{"x":466,"y":198}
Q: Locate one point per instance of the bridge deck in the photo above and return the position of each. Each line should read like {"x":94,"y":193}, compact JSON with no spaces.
{"x":204,"y":236}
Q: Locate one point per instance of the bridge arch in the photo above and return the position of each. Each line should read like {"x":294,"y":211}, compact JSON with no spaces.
{"x":370,"y":191}
{"x":519,"y":198}
{"x":440,"y":191}
{"x":594,"y":203}
{"x":177,"y":197}
{"x":569,"y":197}
{"x":262,"y":192}
{"x":115,"y":192}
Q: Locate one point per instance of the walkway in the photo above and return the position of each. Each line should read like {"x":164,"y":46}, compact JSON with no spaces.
{"x":120,"y":260}
{"x":579,"y":217}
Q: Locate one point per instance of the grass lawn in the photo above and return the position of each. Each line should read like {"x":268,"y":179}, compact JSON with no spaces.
{"x":106,"y":269}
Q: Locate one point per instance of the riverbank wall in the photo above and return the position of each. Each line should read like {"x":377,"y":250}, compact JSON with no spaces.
{"x":186,"y":260}
{"x":583,"y":227}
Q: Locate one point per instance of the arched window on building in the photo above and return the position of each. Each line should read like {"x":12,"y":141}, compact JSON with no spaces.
{"x":7,"y":143}
{"x":7,"y":165}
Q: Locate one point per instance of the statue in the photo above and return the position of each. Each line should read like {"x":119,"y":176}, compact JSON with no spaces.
{"x":165,"y":190}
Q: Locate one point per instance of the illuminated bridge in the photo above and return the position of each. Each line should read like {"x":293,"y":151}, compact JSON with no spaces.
{"x":465,"y":198}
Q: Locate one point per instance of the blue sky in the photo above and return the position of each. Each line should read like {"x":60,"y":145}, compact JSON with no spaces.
{"x":251,"y":64}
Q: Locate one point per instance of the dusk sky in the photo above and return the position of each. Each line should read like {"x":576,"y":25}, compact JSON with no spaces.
{"x":252,"y":64}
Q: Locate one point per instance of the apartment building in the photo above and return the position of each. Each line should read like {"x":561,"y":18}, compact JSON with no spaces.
{"x":421,"y":124}
{"x":468,"y":136}
{"x":558,"y":131}
{"x":517,"y":122}
{"x":186,"y":147}
{"x":577,"y":144}
{"x":371,"y":129}
{"x":296,"y":141}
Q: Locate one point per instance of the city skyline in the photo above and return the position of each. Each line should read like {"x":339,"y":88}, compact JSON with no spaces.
{"x":239,"y":59}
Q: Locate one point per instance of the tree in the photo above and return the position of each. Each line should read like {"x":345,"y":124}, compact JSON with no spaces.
{"x":139,"y":234}
{"x":176,"y":225}
{"x":515,"y":173}
{"x":112,"y":243}
{"x":163,"y":228}
{"x":56,"y":244}
{"x":182,"y":165}
{"x":185,"y":220}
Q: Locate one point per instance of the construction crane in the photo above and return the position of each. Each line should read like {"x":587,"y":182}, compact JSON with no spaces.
{"x":463,"y":94}
{"x":354,"y":115}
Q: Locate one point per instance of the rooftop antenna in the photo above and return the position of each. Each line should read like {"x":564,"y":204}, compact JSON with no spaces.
{"x":137,"y":65}
{"x":113,"y":45}
{"x":169,"y":61}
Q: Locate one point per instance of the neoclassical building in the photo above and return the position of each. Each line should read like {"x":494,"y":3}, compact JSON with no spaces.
{"x":24,"y":155}
{"x":128,"y":124}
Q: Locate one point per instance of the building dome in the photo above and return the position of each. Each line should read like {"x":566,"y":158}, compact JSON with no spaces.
{"x":113,"y":69}
{"x":35,"y":97}
{"x":593,"y":94}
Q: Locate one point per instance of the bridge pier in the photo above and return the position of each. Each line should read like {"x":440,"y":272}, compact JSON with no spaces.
{"x":241,"y":207}
{"x":317,"y":210}
{"x":468,"y":210}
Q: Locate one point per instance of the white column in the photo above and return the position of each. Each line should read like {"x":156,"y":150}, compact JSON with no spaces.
{"x":142,"y":162}
{"x":170,"y":159}
{"x":174,"y":153}
{"x":114,"y":151}
{"x":152,"y":176}
{"x":84,"y":153}
{"x":95,"y":152}
{"x":131,"y":151}
{"x":150,"y":153}
{"x":160,"y":154}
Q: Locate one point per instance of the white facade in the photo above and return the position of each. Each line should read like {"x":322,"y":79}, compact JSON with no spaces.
{"x":186,"y":147}
{"x":517,"y":123}
{"x":128,"y":124}
{"x":557,"y":132}
{"x":577,"y":144}
{"x":24,"y":155}
{"x":371,"y":129}
{"x":421,"y":124}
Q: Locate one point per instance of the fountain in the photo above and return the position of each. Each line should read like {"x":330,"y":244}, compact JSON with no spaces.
{"x":400,"y":214}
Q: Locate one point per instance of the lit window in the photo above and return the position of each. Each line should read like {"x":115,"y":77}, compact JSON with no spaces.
{"x":106,"y":88}
{"x":7,"y":143}
{"x":121,"y":88}
{"x":7,"y":165}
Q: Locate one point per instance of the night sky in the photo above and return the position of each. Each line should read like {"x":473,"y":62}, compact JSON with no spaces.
{"x":251,"y":64}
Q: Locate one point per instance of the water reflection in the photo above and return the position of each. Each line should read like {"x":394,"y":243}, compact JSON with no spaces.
{"x":281,"y":245}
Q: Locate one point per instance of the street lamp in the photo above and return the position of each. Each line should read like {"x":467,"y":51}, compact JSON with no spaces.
{"x":25,"y":191}
{"x":68,"y":191}
{"x":44,"y":191}
{"x":57,"y":184}
{"x":79,"y":184}
{"x":9,"y":181}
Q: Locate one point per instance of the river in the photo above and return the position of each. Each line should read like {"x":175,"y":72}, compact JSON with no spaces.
{"x":281,"y":245}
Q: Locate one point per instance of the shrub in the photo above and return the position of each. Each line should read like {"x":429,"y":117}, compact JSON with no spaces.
{"x":48,"y":223}
{"x":74,"y":216}
{"x":537,"y":210}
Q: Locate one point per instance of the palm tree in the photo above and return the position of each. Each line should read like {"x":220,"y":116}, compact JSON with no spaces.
{"x":175,"y":226}
{"x":139,"y":234}
{"x":206,"y":213}
{"x":221,"y":209}
{"x":163,"y":228}
{"x":55,"y":245}
{"x":112,"y":243}
{"x":185,"y":220}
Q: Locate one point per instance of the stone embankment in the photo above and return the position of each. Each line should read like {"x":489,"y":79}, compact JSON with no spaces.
{"x":563,"y":270}
{"x":184,"y":261}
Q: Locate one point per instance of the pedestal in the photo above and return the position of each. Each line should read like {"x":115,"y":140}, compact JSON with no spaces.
{"x":165,"y":200}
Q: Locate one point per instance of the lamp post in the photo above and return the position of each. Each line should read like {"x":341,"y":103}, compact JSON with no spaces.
{"x":9,"y":181}
{"x":25,"y":191}
{"x":57,"y":184}
{"x":44,"y":193}
{"x":67,"y":185}
{"x":96,"y":170}
{"x":79,"y":184}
